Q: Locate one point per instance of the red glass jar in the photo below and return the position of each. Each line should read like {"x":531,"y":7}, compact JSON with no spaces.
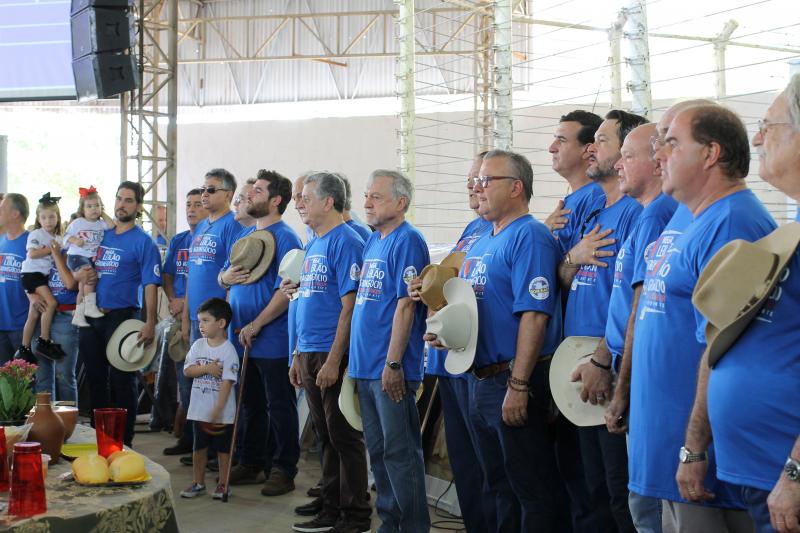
{"x":27,"y":483}
{"x":109,"y":425}
{"x":4,"y":472}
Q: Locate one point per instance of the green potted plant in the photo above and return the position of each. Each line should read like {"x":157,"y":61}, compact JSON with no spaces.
{"x":16,"y":392}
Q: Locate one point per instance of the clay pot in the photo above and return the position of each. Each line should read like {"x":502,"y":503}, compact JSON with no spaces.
{"x":69,"y":417}
{"x":48,"y":429}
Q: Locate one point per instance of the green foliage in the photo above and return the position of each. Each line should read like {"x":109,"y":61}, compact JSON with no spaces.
{"x":16,"y":394}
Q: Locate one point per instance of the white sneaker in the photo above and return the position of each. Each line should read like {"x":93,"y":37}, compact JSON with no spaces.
{"x":90,"y":306}
{"x":78,"y":317}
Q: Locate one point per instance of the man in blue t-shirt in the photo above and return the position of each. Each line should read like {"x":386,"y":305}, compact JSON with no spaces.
{"x":176,"y":267}
{"x":570,"y":159}
{"x":386,"y":352}
{"x":326,"y":294}
{"x":260,"y":322}
{"x":13,"y":300}
{"x":757,"y":440}
{"x":590,"y":281}
{"x":477,"y":512}
{"x":126,"y":262}
{"x":705,"y":158}
{"x":512,"y":270}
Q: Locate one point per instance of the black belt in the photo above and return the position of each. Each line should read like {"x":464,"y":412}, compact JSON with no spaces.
{"x":494,"y":369}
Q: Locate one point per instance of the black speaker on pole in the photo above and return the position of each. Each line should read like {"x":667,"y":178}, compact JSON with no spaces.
{"x":102,"y":37}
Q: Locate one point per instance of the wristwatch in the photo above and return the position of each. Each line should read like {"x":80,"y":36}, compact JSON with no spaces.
{"x":685,"y":456}
{"x":394,"y":365}
{"x":792,"y":469}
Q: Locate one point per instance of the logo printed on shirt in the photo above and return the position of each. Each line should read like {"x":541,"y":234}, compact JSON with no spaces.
{"x":618,"y":265}
{"x":474,"y":270}
{"x":182,"y":262}
{"x":157,"y":270}
{"x":586,"y":277}
{"x":654,"y":289}
{"x":466,"y":243}
{"x":539,"y":288}
{"x":314,"y":277}
{"x":106,"y":260}
{"x":371,"y":285}
{"x":10,"y":267}
{"x":204,"y":249}
{"x":768,"y":309}
{"x":91,"y":238}
{"x":409,"y":273}
{"x":355,"y":272}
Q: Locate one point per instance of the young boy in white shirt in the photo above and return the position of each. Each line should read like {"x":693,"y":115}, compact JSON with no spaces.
{"x":214,"y":365}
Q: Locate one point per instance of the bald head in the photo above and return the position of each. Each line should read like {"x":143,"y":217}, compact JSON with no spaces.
{"x":639,"y":173}
{"x":670,"y":114}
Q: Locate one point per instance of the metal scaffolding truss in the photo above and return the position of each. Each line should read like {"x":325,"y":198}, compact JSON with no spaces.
{"x":149,"y":127}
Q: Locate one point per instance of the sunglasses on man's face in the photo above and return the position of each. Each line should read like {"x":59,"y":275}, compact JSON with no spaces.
{"x":211,"y":189}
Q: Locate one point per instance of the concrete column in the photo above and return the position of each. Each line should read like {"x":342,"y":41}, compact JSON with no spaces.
{"x":405,"y":89}
{"x":639,"y":58}
{"x":502,"y":91}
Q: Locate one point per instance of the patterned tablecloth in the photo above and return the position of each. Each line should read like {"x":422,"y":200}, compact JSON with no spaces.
{"x":72,"y":508}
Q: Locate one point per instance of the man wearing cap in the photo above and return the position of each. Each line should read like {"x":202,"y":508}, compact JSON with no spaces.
{"x":705,"y":158}
{"x":590,"y":280}
{"x":570,"y":159}
{"x":757,"y":432}
{"x":176,"y":268}
{"x":386,"y":352}
{"x":126,"y":261}
{"x":13,"y":300}
{"x":512,"y":269}
{"x":260,"y":322}
{"x":326,"y":291}
{"x":477,"y":512}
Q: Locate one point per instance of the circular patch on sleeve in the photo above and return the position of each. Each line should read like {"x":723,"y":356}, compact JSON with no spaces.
{"x":355,"y":272}
{"x":409,"y":274}
{"x":539,"y":288}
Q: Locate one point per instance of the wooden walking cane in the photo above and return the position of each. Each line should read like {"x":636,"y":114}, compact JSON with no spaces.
{"x":236,"y":422}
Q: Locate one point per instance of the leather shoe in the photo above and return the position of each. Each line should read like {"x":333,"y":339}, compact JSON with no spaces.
{"x":278,"y":483}
{"x":312,"y":508}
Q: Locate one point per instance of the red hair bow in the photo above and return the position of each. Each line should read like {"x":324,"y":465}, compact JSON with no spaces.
{"x":86,"y":192}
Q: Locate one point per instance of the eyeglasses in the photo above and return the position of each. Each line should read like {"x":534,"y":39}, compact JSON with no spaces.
{"x":211,"y":189}
{"x":483,"y":181}
{"x":764,"y":125}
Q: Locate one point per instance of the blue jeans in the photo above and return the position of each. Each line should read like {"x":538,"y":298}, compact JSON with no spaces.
{"x":518,"y":462}
{"x":756,"y":502}
{"x":392,"y":432}
{"x":269,"y":416}
{"x":646,"y":513}
{"x":477,"y":512}
{"x":10,"y":340}
{"x":65,"y":387}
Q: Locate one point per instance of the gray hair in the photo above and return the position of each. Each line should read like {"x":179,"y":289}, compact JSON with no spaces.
{"x":227,"y":179}
{"x":20,"y":203}
{"x":401,"y":185}
{"x":520,"y":167}
{"x":348,"y":194}
{"x":793,"y":99}
{"x":329,"y":185}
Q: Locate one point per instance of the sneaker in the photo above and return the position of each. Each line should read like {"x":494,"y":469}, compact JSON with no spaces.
{"x":181,"y":447}
{"x":49,"y":349}
{"x":313,"y":508}
{"x":25,"y":353}
{"x":319,"y":523}
{"x":219,"y":491}
{"x":278,"y":483}
{"x":246,"y":475}
{"x":194,"y":490}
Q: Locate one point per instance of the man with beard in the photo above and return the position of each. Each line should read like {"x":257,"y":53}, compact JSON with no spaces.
{"x":590,"y":281}
{"x":260,"y":322}
{"x":126,"y":261}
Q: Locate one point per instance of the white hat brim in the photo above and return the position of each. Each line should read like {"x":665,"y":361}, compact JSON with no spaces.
{"x":291,"y":266}
{"x":113,"y":354}
{"x":459,"y":290}
{"x":348,"y":403}
{"x":570,"y":353}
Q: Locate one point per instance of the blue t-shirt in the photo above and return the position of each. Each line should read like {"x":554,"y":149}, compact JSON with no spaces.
{"x":390,"y":263}
{"x":511,"y":273}
{"x":211,"y":246}
{"x":62,"y":295}
{"x":176,"y":262}
{"x":435,"y":357}
{"x":582,"y":202}
{"x":754,"y":431}
{"x":331,"y":269}
{"x":587,"y":302}
{"x":630,"y":267}
{"x":362,"y":229}
{"x":13,"y":301}
{"x":124,"y":263}
{"x":669,"y":341}
{"x":247,"y":301}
